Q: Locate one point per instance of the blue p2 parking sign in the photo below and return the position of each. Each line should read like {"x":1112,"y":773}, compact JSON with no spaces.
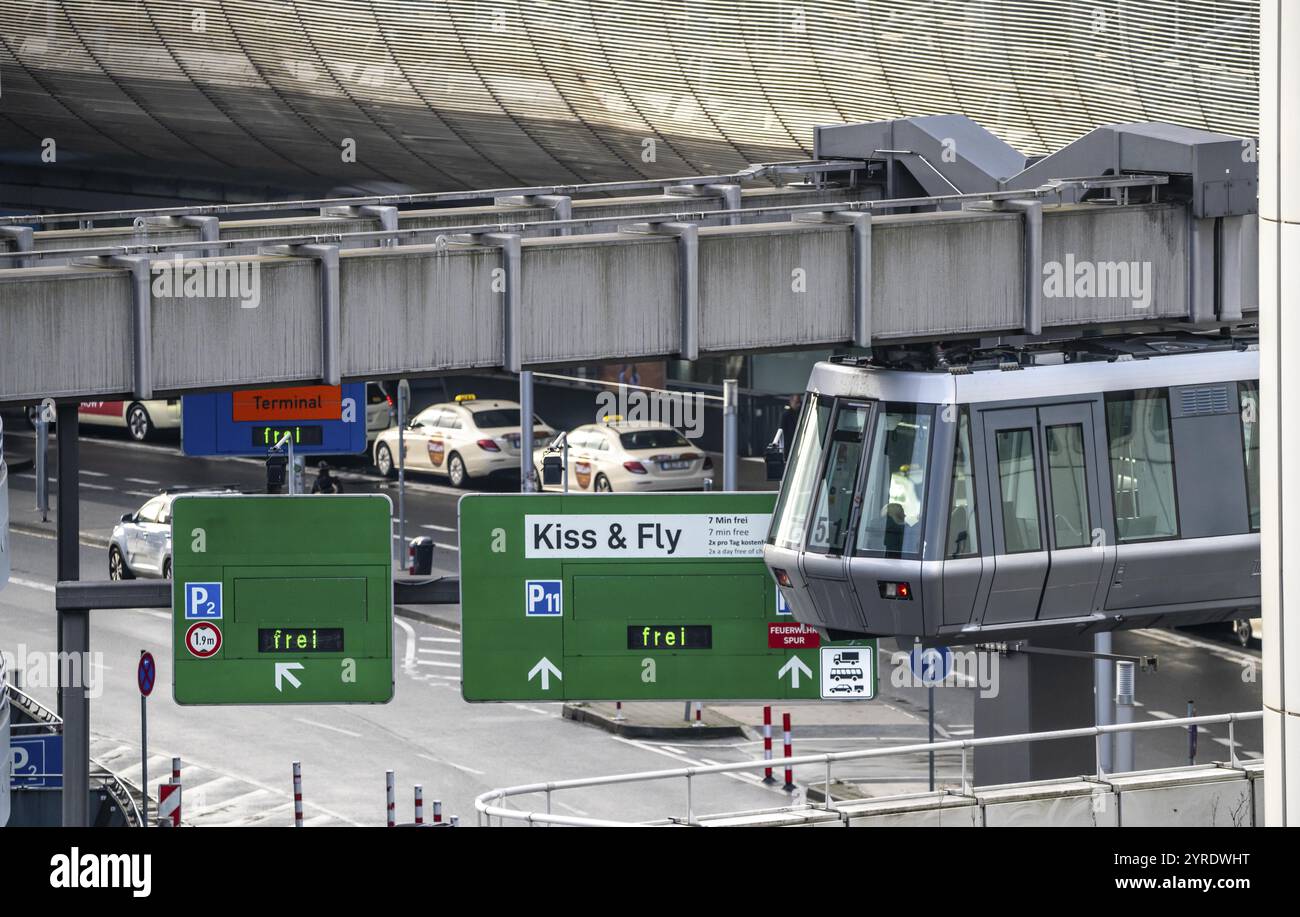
{"x":202,"y":601}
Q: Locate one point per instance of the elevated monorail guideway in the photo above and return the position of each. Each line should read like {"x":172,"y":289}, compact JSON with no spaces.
{"x":867,"y":254}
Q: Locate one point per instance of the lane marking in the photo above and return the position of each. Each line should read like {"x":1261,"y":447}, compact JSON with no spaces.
{"x":50,"y":536}
{"x":425,"y":649}
{"x":346,"y":732}
{"x":93,"y":474}
{"x":148,"y":481}
{"x":459,"y":767}
{"x":439,"y":640}
{"x":445,"y":665}
{"x":31,"y":583}
{"x":408,"y":655}
{"x":439,"y":528}
{"x":1215,"y":649}
{"x":686,"y":760}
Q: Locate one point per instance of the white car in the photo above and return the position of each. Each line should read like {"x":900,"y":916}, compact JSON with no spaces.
{"x":464,"y":439}
{"x":141,"y":543}
{"x":141,"y":419}
{"x":631,"y":456}
{"x":379,"y":410}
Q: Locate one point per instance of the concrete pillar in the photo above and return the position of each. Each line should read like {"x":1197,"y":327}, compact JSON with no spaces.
{"x":1279,"y":276}
{"x":1035,"y":692}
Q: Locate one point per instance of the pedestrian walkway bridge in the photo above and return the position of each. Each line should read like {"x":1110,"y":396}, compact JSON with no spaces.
{"x":917,"y":230}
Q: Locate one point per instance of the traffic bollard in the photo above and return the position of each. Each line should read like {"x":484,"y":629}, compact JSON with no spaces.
{"x":788,"y":752}
{"x":176,"y":770}
{"x":767,"y":745}
{"x":618,"y":711}
{"x":437,"y":811}
{"x":699,"y":708}
{"x":391,"y":780}
{"x":419,"y":804}
{"x":298,"y":794}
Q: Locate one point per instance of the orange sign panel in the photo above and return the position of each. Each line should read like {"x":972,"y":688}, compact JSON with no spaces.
{"x":307,"y":402}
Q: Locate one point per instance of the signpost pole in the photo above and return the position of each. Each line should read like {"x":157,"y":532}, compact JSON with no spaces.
{"x":145,"y":673}
{"x":930,"y":691}
{"x":293,"y":466}
{"x":144,"y":758}
{"x":729,"y":433}
{"x":74,"y":630}
{"x":527,"y":483}
{"x":42,"y":463}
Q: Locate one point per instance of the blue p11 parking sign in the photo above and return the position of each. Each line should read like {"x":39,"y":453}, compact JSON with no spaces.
{"x":202,"y":601}
{"x":544,"y":598}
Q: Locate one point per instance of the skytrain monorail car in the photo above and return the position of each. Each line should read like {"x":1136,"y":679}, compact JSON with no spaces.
{"x":1117,"y":488}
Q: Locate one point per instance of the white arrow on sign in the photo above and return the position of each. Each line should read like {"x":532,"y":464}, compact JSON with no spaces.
{"x":793,"y":667}
{"x":284,"y":672}
{"x":547,"y":669}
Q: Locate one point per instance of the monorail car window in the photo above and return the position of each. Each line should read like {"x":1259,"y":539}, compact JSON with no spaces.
{"x":1018,"y":481}
{"x":963,"y":533}
{"x":790,"y":517}
{"x":1065,"y":472}
{"x":1142,"y":465}
{"x":893,"y":498}
{"x":830,"y":525}
{"x":1250,"y":445}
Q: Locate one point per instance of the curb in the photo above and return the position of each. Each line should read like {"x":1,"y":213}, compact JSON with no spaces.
{"x":20,"y":464}
{"x":630,"y":730}
{"x":403,"y":611}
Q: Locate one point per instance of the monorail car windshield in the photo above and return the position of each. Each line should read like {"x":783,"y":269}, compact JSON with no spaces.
{"x":972,"y":506}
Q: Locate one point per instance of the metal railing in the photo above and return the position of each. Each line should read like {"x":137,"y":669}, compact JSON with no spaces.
{"x":756,"y":172}
{"x":483,"y":803}
{"x":1055,"y":187}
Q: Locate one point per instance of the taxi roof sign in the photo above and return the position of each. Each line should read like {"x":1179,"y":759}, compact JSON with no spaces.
{"x":466,"y":397}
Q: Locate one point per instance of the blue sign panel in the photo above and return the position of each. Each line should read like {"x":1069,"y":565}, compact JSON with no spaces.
{"x":37,"y":761}
{"x":931,"y":665}
{"x":209,"y":425}
{"x":203,"y":601}
{"x":544,"y":598}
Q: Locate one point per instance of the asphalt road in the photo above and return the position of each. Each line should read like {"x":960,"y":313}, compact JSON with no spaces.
{"x":237,"y":759}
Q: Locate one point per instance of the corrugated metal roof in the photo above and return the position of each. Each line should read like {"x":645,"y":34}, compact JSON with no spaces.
{"x":441,"y":94}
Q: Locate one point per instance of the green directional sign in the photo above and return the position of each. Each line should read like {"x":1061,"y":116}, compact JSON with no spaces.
{"x":282,"y":599}
{"x":636,"y":597}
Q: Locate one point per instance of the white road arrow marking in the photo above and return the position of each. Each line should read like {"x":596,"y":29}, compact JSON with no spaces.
{"x":793,"y":667}
{"x":284,"y":672}
{"x":547,"y":668}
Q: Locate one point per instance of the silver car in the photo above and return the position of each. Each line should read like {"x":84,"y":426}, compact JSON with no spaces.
{"x":141,"y":544}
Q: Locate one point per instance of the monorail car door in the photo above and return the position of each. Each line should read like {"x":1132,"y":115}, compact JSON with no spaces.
{"x":1075,"y":543}
{"x":1013,"y":459}
{"x":830,"y":528}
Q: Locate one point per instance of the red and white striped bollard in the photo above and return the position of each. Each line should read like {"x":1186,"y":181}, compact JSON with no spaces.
{"x":419,"y":804}
{"x":297,"y":794}
{"x":437,"y":811}
{"x":788,"y":752}
{"x":176,"y":770}
{"x":767,"y":744}
{"x":391,"y":781}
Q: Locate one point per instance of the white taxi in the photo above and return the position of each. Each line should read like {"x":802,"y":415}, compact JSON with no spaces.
{"x":631,"y":456}
{"x":465,"y":439}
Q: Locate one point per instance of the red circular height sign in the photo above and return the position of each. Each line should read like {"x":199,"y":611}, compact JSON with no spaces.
{"x":203,"y":639}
